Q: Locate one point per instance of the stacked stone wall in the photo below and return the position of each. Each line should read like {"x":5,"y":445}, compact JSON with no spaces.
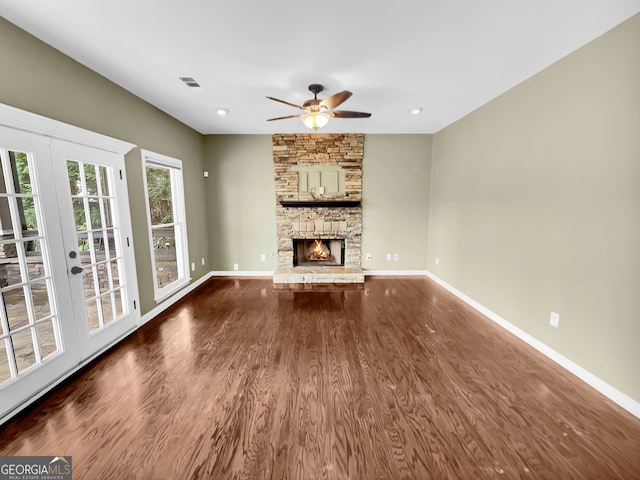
{"x":342,"y":150}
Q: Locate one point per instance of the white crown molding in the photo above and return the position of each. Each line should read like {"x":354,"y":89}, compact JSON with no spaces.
{"x":12,"y":117}
{"x":612,"y":393}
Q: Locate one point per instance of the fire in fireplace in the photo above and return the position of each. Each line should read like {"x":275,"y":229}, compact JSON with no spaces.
{"x":318,"y":252}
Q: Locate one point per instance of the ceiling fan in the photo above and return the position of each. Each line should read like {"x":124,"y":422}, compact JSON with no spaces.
{"x":317,"y":113}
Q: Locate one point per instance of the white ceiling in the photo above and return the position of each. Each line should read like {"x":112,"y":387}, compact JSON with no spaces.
{"x":447,"y":56}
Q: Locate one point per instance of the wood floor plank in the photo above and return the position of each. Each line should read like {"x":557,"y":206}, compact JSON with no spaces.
{"x":396,"y":379}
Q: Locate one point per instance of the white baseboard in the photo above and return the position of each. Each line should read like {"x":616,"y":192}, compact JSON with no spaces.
{"x":622,"y":399}
{"x":242,"y":273}
{"x":398,"y":273}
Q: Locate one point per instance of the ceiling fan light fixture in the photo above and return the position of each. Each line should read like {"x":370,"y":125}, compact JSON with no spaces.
{"x":315,"y":120}
{"x":317,"y":112}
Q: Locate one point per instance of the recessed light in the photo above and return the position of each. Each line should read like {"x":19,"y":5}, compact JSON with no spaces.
{"x":416,"y":110}
{"x":222,"y":111}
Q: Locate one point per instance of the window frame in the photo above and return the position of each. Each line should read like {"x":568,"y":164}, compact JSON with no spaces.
{"x":179,"y":222}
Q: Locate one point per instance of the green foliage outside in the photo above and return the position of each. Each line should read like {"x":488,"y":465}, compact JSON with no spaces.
{"x":160,"y":205}
{"x":24,"y":186}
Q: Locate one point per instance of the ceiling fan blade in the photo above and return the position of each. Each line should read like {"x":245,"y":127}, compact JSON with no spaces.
{"x":348,"y":114}
{"x":336,"y":99}
{"x":287,"y":103}
{"x":282,"y":118}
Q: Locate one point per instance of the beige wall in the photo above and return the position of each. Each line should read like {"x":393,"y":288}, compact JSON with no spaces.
{"x":395,"y":206}
{"x":241,"y":192}
{"x":40,"y":79}
{"x":535,"y":206}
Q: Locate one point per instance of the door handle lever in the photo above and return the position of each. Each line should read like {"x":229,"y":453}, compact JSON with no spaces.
{"x":76,"y":270}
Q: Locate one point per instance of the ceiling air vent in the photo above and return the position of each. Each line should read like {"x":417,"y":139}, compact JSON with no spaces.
{"x":190,"y":82}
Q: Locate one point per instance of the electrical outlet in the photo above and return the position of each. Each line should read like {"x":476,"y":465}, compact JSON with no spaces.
{"x":193,"y":266}
{"x":437,"y":261}
{"x":367,"y":256}
{"x":263,"y":257}
{"x":202,"y":260}
{"x":554,"y":319}
{"x":395,"y":257}
{"x":388,"y":257}
{"x":236,"y":267}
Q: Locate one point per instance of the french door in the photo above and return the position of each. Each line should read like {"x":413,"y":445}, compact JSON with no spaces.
{"x":67,"y":280}
{"x":94,"y":216}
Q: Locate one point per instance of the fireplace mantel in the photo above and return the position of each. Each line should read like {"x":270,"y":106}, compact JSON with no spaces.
{"x":319,"y":203}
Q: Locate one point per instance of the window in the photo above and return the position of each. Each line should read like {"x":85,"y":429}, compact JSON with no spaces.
{"x":167,"y":223}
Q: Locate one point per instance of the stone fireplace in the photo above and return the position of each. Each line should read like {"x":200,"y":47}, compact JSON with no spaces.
{"x":318,"y":181}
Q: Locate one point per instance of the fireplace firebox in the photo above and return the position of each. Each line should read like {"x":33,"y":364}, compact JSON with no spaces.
{"x":318,"y":252}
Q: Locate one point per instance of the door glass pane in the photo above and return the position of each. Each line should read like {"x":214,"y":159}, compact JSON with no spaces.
{"x":40,"y":295}
{"x":20,"y":163}
{"x":10,"y":273}
{"x":75,"y":182}
{"x":118,"y":301}
{"x":28,"y":217}
{"x":88,"y":281}
{"x":47,"y":339}
{"x":35,"y":263}
{"x":92,"y":314}
{"x":107,"y":308}
{"x":101,"y":244}
{"x":109,"y":246}
{"x":6,"y":223}
{"x":79,"y":214}
{"x":94,"y":213}
{"x":23,"y":349}
{"x":83,"y":246}
{"x":16,"y":308}
{"x":107,"y":221}
{"x":90,"y":179}
{"x":103,"y":277}
{"x":104,"y":181}
{"x":114,"y":274}
{"x":5,"y":372}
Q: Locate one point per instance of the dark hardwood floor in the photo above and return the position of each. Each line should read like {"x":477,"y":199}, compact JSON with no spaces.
{"x":397,"y":379}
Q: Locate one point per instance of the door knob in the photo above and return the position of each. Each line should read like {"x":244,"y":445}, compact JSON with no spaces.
{"x":76,"y":270}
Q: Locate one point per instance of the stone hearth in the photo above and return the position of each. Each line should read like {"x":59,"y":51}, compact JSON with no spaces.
{"x":319,"y":179}
{"x":319,"y":275}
